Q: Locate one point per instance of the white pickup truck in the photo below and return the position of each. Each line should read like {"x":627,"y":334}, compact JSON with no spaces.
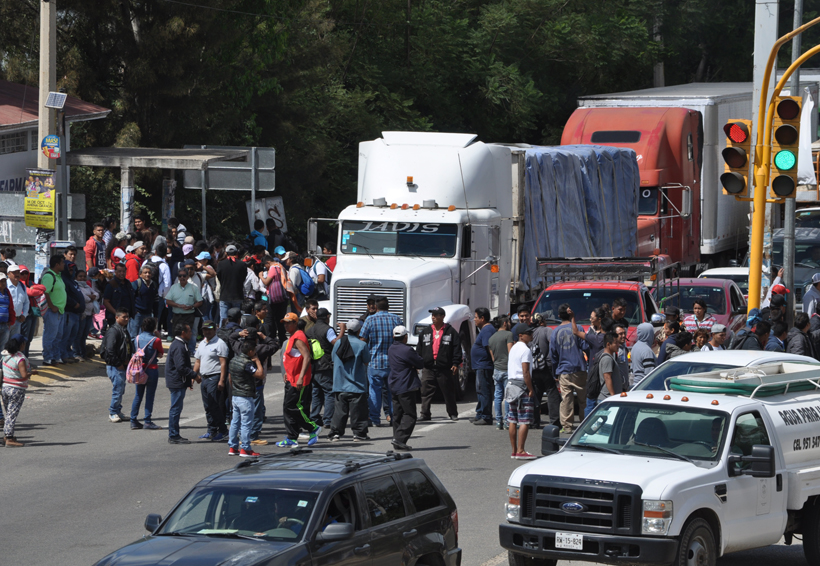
{"x":723,"y":461}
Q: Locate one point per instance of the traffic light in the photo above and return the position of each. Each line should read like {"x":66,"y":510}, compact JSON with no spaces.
{"x":735,"y":179}
{"x":786,"y":128}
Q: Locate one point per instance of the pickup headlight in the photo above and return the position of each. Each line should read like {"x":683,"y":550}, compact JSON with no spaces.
{"x":657,"y":517}
{"x":513,"y":505}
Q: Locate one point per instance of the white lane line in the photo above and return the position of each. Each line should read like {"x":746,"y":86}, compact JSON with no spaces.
{"x":500,"y":559}
{"x":428,"y":428}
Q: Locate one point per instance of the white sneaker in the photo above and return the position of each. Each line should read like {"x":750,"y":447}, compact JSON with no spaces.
{"x":114,"y":418}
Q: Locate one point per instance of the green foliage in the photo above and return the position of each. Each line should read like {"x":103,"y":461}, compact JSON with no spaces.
{"x":313,"y":78}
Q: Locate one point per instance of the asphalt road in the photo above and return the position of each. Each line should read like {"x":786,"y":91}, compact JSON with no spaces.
{"x":82,"y":486}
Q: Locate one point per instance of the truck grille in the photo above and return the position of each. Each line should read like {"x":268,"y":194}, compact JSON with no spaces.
{"x":350,"y":298}
{"x":599,"y":507}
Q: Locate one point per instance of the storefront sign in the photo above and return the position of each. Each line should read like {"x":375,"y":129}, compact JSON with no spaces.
{"x":38,"y":207}
{"x":51,"y":147}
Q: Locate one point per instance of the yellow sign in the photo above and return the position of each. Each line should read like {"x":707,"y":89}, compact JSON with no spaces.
{"x":38,"y":205}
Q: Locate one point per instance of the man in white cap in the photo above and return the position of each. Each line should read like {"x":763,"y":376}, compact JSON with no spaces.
{"x":19,"y":296}
{"x":231,"y":274}
{"x":404,"y":383}
{"x":812,"y":296}
{"x":134,"y":258}
{"x":717,"y":340}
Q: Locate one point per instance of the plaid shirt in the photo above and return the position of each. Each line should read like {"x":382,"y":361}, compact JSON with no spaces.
{"x":377,"y":330}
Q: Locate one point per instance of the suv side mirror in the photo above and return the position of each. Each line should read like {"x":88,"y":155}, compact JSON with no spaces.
{"x":761,"y":460}
{"x":741,"y":310}
{"x":550,"y":441}
{"x":152,"y":521}
{"x":657,"y":319}
{"x":335,"y":532}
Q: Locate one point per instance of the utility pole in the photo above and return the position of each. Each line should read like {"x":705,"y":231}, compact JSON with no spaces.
{"x":791,"y":204}
{"x":46,"y":123}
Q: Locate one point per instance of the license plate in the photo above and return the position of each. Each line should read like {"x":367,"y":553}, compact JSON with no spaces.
{"x":569,"y":540}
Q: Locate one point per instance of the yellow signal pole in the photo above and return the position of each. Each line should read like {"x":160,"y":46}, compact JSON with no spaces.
{"x":763,"y":151}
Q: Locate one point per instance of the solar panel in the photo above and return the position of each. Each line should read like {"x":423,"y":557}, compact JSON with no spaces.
{"x":56,"y":100}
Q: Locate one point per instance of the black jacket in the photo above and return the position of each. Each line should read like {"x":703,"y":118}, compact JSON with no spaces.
{"x":117,"y":346}
{"x":404,"y":365}
{"x":799,"y":343}
{"x":178,"y":369}
{"x":319,"y":332}
{"x":75,"y":302}
{"x":449,"y":352}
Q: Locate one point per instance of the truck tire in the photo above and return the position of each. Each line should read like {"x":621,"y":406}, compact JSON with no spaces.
{"x":811,"y":534}
{"x":697,"y":545}
{"x":522,"y":560}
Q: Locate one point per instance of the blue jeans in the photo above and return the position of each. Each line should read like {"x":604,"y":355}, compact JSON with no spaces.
{"x":15,"y":328}
{"x":591,"y":404}
{"x":82,"y":335}
{"x":177,"y":397}
{"x":29,"y":329}
{"x":5,"y":334}
{"x":484,"y":387}
{"x":258,"y":412}
{"x":146,"y":390}
{"x":240,"y":432}
{"x":135,"y":323}
{"x":322,"y":397}
{"x":378,"y":381}
{"x":500,"y":380}
{"x":117,"y":377}
{"x":71,"y":327}
{"x":52,"y":335}
{"x":225,"y":305}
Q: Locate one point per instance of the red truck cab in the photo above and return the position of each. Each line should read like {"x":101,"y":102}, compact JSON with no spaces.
{"x":668,"y":143}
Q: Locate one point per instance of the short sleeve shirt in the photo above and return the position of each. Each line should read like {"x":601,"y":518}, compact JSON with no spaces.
{"x":208,"y":354}
{"x":188,"y":295}
{"x":55,"y":287}
{"x":519,"y":354}
{"x":609,"y":365}
{"x":498,"y":346}
{"x":479,"y":354}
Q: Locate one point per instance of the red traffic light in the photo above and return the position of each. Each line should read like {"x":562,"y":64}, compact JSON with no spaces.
{"x":736,"y":131}
{"x":788,"y":109}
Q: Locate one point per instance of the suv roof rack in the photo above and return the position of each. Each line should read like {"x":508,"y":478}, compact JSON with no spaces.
{"x":765,"y":380}
{"x":653,"y":270}
{"x":350,"y":465}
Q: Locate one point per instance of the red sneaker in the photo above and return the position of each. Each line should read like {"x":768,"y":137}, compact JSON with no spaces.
{"x":251,"y":454}
{"x":233,"y":452}
{"x":525,"y":456}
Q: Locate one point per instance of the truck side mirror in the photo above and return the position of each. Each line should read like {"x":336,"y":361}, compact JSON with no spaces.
{"x":657,"y":319}
{"x":152,"y":521}
{"x":761,"y":460}
{"x":550,"y":441}
{"x":686,"y":202}
{"x":312,"y":235}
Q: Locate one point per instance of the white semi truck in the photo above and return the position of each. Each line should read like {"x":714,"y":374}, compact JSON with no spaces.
{"x":444,"y":220}
{"x":721,"y":462}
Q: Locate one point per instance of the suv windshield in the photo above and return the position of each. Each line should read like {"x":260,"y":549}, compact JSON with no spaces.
{"x":742,"y":279}
{"x":268,"y":514}
{"x":399,"y":238}
{"x":715,"y":297}
{"x":584,"y":301}
{"x":656,"y":381}
{"x":689,"y":433}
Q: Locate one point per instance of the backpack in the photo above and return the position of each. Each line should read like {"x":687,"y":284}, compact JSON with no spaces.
{"x":539,"y":358}
{"x":225,"y":335}
{"x":308,"y":287}
{"x":594,"y":376}
{"x":276,"y":292}
{"x":135,"y":372}
{"x":740,"y":339}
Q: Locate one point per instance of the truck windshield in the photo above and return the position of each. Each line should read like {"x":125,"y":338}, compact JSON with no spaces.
{"x":648,"y":203}
{"x":399,"y":239}
{"x":584,"y":301}
{"x":637,"y":428}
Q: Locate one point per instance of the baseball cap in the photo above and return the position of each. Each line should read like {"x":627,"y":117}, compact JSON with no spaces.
{"x":3,"y":277}
{"x":138,"y":244}
{"x":354,"y":324}
{"x":119,"y":253}
{"x":203,"y":255}
{"x":234,"y":313}
{"x":290,"y":317}
{"x":778,"y":301}
{"x":279,"y":250}
{"x":19,"y":338}
{"x":779,"y":289}
{"x":208,"y":325}
{"x":189,"y":240}
{"x":129,"y":249}
{"x":671,"y":311}
{"x":718,"y":328}
{"x":399,"y":331}
{"x":437,"y":311}
{"x":815,"y":279}
{"x":188,"y":262}
{"x":371,"y":298}
{"x":290,"y":255}
{"x":527,"y":330}
{"x":13,"y":267}
{"x":230,"y":249}
{"x":187,"y":248}
{"x":322,"y":313}
{"x":92,"y":271}
{"x":121,"y":236}
{"x":24,"y":268}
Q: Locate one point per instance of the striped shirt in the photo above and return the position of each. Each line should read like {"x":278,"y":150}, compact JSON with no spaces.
{"x":692,"y":324}
{"x":11,"y":371}
{"x":377,"y":331}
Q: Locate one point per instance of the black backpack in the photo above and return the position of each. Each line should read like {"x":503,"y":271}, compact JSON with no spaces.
{"x":594,"y":376}
{"x":740,"y":339}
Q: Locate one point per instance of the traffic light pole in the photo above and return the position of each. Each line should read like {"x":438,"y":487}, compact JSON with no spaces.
{"x":763,"y":150}
{"x":791,"y":203}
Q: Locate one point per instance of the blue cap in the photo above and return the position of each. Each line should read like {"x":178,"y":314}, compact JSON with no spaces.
{"x":203,"y":255}
{"x":279,"y":250}
{"x":19,"y":338}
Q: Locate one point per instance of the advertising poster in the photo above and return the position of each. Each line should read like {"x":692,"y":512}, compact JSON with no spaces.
{"x":38,"y":206}
{"x":270,"y":207}
{"x":51,"y":147}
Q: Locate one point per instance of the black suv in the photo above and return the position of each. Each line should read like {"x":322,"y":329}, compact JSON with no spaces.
{"x":307,"y":507}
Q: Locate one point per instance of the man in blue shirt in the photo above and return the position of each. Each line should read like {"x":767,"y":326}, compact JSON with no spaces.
{"x":568,"y":363}
{"x":377,"y":331}
{"x":256,"y":236}
{"x":483,"y":366}
{"x":350,"y":358}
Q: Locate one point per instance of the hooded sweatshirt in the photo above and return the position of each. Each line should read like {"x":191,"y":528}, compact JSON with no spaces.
{"x":643,"y":360}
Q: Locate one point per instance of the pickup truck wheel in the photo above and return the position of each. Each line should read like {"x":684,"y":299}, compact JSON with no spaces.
{"x":697,"y":545}
{"x":811,"y":535}
{"x":522,"y":560}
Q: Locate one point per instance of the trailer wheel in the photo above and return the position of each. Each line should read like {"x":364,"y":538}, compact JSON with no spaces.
{"x":811,"y":534}
{"x":522,"y":560}
{"x":697,"y":545}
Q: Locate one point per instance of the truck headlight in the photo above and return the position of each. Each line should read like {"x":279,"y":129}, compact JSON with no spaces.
{"x":657,"y":517}
{"x":513,"y":505}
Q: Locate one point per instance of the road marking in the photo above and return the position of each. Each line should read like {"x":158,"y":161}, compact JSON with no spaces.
{"x":198,"y":416}
{"x":428,"y":428}
{"x":500,"y":559}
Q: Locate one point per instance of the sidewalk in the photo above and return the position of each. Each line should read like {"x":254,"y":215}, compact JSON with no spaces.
{"x":47,"y":375}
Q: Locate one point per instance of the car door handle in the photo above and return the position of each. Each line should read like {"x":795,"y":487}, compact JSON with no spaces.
{"x":410,"y":534}
{"x":362,"y":550}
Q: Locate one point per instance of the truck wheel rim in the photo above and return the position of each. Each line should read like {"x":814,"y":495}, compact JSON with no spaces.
{"x":697,"y":554}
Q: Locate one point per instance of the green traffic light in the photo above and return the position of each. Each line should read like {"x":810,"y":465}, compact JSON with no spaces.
{"x":785,"y":160}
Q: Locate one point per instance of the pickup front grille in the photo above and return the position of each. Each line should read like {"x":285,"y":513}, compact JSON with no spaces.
{"x":350,"y":298}
{"x":580,"y":505}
